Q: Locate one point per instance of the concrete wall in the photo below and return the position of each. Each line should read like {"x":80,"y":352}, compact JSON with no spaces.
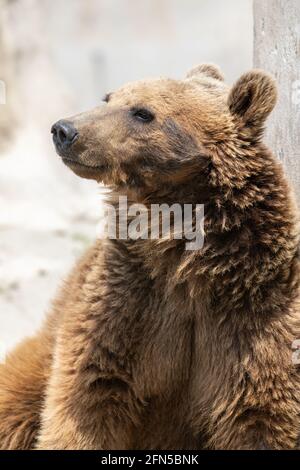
{"x":277,"y":50}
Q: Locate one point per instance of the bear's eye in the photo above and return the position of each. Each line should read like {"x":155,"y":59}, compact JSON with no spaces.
{"x":143,"y":115}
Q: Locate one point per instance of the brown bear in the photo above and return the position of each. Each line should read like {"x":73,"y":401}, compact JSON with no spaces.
{"x":150,"y":345}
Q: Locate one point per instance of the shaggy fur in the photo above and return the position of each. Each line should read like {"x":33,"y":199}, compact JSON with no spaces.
{"x":150,"y":346}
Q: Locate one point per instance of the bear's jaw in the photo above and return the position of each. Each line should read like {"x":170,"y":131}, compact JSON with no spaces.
{"x":83,"y":170}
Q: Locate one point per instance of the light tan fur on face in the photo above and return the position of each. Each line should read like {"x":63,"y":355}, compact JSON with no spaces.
{"x":150,"y":346}
{"x":109,"y":136}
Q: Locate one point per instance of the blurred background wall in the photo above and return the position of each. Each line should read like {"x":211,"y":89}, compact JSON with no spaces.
{"x":58,"y":58}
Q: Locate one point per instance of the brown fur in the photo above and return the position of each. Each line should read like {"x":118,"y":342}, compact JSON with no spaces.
{"x":151,"y":346}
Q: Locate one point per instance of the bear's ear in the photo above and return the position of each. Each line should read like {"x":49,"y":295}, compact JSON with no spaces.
{"x":209,"y":70}
{"x":252,"y":98}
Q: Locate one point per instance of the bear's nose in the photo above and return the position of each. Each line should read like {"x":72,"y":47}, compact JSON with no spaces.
{"x":64,"y":133}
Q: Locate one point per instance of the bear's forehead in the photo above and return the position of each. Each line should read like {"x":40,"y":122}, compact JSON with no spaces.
{"x":169,"y":92}
{"x":151,"y":90}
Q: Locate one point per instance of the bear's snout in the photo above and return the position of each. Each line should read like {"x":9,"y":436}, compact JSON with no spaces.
{"x":64,"y":135}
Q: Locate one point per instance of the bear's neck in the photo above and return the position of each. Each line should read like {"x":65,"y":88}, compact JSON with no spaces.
{"x":249,"y":257}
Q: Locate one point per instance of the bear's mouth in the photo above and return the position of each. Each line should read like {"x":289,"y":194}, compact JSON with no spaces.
{"x":84,"y":170}
{"x":70,"y":161}
{"x":72,"y":157}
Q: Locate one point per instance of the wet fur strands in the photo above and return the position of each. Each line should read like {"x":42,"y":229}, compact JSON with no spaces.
{"x":151,"y":346}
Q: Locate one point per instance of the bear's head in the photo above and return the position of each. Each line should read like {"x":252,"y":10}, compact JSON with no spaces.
{"x":152,"y":133}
